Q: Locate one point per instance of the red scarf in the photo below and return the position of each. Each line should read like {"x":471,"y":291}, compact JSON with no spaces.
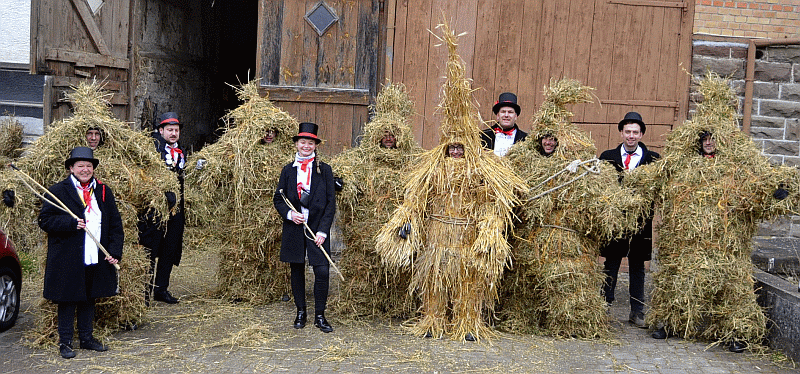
{"x":87,"y":195}
{"x":508,"y":132}
{"x":173,"y":151}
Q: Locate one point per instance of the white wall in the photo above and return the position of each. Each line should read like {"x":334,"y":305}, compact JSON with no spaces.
{"x":15,"y":30}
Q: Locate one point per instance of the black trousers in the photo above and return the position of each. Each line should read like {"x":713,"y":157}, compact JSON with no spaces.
{"x":85,"y":312}
{"x":321,"y":282}
{"x":636,"y":273}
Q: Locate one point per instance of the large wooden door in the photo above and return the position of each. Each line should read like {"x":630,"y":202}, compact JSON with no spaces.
{"x":72,"y":40}
{"x":330,"y":78}
{"x":636,"y":53}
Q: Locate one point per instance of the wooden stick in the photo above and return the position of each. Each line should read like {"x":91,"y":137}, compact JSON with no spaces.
{"x":63,"y":207}
{"x":313,"y":234}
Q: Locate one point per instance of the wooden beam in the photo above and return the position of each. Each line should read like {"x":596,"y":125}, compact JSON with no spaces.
{"x":94,"y":32}
{"x":85,"y":59}
{"x":663,"y":4}
{"x":108,"y":85}
{"x":666,"y":104}
{"x":317,"y":95}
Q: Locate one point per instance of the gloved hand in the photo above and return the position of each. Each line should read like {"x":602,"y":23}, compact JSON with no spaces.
{"x":338,"y":183}
{"x":201,"y":163}
{"x":404,"y":231}
{"x":9,"y":198}
{"x":573,"y":166}
{"x":171,"y":199}
{"x":780,"y":193}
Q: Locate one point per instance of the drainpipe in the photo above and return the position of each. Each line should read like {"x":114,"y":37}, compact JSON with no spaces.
{"x":747,"y":111}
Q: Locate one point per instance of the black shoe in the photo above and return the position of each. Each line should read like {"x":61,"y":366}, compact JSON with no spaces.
{"x":469,"y":337}
{"x":300,"y":320}
{"x":322,"y":323}
{"x":428,"y":334}
{"x":66,"y":350}
{"x":637,"y":319}
{"x":737,"y":346}
{"x":94,"y":345}
{"x":285,"y":297}
{"x":660,"y":334}
{"x":165,"y":296}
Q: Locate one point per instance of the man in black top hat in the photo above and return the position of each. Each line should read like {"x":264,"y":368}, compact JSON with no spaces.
{"x":504,"y":133}
{"x":638,"y":247}
{"x":166,"y":246}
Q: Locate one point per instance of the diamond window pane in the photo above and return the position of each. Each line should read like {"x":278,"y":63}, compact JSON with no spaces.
{"x":321,"y":17}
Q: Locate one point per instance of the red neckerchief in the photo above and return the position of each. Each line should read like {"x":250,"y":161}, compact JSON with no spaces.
{"x":508,"y":132}
{"x":304,"y":164}
{"x":173,"y":151}
{"x":303,"y":167}
{"x":87,"y":195}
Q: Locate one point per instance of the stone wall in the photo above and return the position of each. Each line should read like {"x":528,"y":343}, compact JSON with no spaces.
{"x":782,"y":306}
{"x":775,"y":121}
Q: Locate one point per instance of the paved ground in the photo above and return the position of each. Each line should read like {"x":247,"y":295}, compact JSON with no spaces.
{"x":207,"y":336}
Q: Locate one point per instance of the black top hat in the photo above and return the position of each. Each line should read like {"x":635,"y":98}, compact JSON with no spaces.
{"x":169,"y":118}
{"x":81,"y":154}
{"x":632,"y":117}
{"x":506,"y":99}
{"x":307,"y":130}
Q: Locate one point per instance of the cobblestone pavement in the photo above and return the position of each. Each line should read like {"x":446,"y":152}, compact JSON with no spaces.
{"x":202,"y":335}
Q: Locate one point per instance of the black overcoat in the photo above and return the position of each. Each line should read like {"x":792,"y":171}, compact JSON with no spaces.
{"x":64,"y":275}
{"x":487,"y":137}
{"x":294,"y":243}
{"x":640,"y":244}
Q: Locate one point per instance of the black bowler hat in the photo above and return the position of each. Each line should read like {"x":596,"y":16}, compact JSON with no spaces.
{"x":506,"y":99}
{"x":81,"y":154}
{"x":307,"y":130}
{"x":169,"y":118}
{"x":632,"y":117}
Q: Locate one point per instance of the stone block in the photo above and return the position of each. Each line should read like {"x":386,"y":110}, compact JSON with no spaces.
{"x":778,"y":227}
{"x":773,"y":71}
{"x":779,"y":108}
{"x":792,"y":129}
{"x":790,"y":92}
{"x":792,"y":162}
{"x":789,"y":53}
{"x":711,"y":50}
{"x":726,"y":67}
{"x":772,"y":122}
{"x":782,"y":306}
{"x":765,"y":90}
{"x":781,"y":148}
{"x":767,"y":133}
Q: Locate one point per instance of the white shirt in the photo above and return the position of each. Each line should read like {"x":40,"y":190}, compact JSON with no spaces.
{"x":636,"y":156}
{"x":93,"y":218}
{"x":503,"y":142}
{"x":168,"y":157}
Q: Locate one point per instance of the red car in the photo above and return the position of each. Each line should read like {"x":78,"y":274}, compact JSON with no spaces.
{"x":10,"y":283}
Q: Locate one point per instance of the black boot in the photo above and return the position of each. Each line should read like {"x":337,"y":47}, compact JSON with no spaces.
{"x":322,"y":323}
{"x":300,"y":320}
{"x":65,"y":348}
{"x":661,"y":333}
{"x":737,"y":346}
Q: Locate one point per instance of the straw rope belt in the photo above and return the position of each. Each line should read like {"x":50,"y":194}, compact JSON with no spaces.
{"x":450,"y":220}
{"x":594,"y":168}
{"x":558,"y":227}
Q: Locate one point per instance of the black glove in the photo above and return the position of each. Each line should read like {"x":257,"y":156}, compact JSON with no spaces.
{"x":780,"y":193}
{"x":9,"y":198}
{"x":171,"y":199}
{"x":404,"y":231}
{"x":338,"y":184}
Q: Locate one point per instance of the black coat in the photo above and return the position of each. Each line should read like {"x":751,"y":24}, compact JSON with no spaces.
{"x":639,"y":246}
{"x":166,"y":243}
{"x":64,"y":275}
{"x":294,"y":243}
{"x":487,"y":137}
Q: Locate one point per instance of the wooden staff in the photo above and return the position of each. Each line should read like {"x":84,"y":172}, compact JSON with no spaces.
{"x":60,"y":205}
{"x":312,"y":233}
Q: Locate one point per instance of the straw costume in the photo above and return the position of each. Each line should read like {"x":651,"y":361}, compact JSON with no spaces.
{"x":373,"y":188}
{"x":709,"y":208}
{"x":231,"y":196}
{"x":130,"y":169}
{"x":455,"y":217}
{"x":574,"y":206}
{"x":10,"y":139}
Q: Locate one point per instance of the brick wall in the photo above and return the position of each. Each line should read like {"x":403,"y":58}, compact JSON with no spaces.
{"x":753,"y":19}
{"x":775,"y":121}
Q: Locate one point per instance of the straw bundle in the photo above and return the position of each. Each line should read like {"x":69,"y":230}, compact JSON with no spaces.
{"x":128,"y":165}
{"x":10,"y":139}
{"x":231,"y":197}
{"x":554,"y":286}
{"x":459,"y":213}
{"x":710,"y":208}
{"x":372,"y":190}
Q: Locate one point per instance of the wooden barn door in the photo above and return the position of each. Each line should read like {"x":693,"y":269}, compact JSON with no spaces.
{"x":636,"y":53}
{"x":73,"y":40}
{"x":325,"y":76}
